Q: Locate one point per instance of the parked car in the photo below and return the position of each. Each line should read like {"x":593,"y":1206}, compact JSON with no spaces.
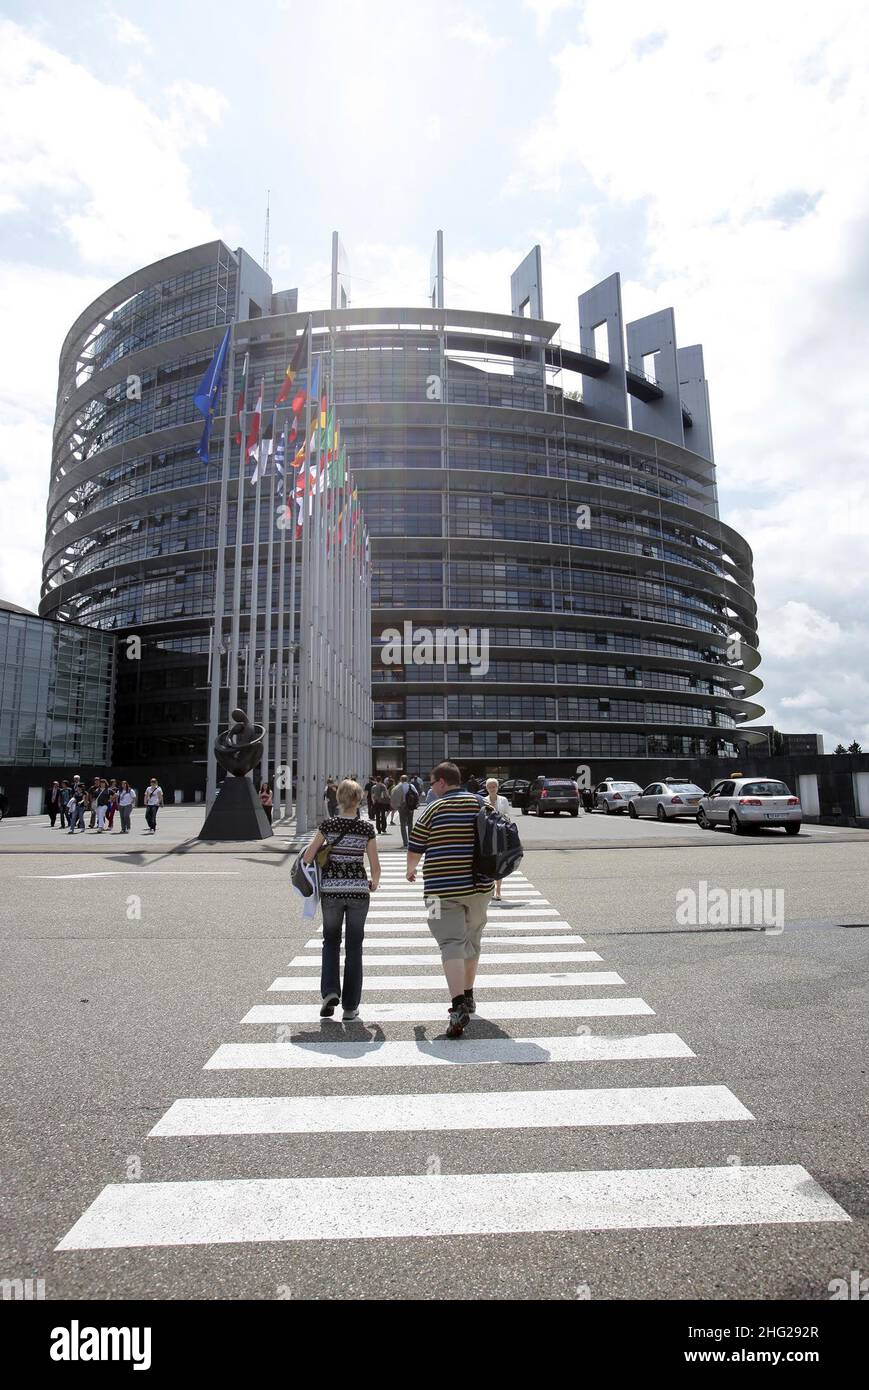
{"x":667,"y":800}
{"x":744,"y":803}
{"x":613,"y":796}
{"x":552,"y":794}
{"x":516,"y":790}
{"x":4,"y":804}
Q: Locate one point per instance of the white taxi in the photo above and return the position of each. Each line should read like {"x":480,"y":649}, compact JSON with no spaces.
{"x":745,"y":803}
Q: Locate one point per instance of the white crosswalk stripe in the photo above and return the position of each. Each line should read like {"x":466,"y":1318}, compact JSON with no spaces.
{"x":435,"y":980}
{"x":492,"y":958}
{"x":636,"y":1105}
{"x":413,"y":1011}
{"x":442,"y":1052}
{"x":395,"y":1207}
{"x":383,"y":942}
{"x":525,"y":932}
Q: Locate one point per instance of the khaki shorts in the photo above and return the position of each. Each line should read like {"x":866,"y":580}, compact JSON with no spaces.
{"x":457,"y":924}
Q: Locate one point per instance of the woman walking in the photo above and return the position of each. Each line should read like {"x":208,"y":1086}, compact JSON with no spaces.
{"x":266,"y":799}
{"x":126,"y":802}
{"x":502,"y":806}
{"x":345,"y":890}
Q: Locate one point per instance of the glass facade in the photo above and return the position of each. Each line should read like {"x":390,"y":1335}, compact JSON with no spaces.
{"x":473,"y":468}
{"x":56,"y":684}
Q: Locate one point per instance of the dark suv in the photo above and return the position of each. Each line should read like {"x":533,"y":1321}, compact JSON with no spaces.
{"x":555,"y":794}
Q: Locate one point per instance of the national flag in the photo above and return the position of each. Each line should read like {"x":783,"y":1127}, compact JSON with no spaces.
{"x":242,"y":399}
{"x":293,"y":368}
{"x":262,"y":451}
{"x":207,"y":393}
{"x":253,"y":433}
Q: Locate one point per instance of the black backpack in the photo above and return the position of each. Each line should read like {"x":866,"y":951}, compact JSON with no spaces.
{"x":497,"y":847}
{"x":411,"y":797}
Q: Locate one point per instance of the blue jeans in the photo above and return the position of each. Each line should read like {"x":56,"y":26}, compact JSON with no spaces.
{"x":334,"y":915}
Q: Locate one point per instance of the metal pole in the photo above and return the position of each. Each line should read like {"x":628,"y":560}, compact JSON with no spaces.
{"x":235,"y":644}
{"x":219,"y":580}
{"x":267,"y":633}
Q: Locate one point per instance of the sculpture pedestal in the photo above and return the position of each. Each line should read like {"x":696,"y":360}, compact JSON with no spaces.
{"x":237,"y":813}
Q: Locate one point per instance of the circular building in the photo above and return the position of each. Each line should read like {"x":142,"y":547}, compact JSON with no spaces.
{"x":552,"y":583}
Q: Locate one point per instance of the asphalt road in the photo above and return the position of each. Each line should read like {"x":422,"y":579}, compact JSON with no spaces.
{"x":120,"y":988}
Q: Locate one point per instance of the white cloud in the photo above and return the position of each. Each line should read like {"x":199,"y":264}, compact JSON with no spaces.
{"x":469,"y":30}
{"x":107,"y":169}
{"x":543,"y":10}
{"x":731,"y":140}
{"x":87,"y":167}
{"x":129,"y":34}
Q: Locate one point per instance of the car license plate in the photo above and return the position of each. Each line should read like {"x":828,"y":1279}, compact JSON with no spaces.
{"x":693,"y":800}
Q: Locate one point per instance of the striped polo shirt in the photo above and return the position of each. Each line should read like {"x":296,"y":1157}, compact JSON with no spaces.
{"x":445,"y":834}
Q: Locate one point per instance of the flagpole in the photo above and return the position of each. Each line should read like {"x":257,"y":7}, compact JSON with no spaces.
{"x":219,"y":580}
{"x":267,"y":633}
{"x":305,"y":648}
{"x":294,"y":741}
{"x":235,"y":640}
{"x":253,"y":623}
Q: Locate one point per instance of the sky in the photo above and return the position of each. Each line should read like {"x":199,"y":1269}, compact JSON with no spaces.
{"x":715,"y":155}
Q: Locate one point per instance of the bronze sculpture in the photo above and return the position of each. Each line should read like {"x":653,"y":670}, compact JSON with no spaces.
{"x":240,"y":747}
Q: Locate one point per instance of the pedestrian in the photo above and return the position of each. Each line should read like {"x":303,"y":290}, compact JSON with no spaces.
{"x":126,"y":802}
{"x":64,"y":802}
{"x":502,"y":806}
{"x":55,"y":804}
{"x":380,"y":802}
{"x":472,"y":784}
{"x":345,"y":891}
{"x":330,"y":797}
{"x":103,"y":801}
{"x":389,"y":783}
{"x":409,"y":803}
{"x":76,"y":807}
{"x":266,"y":799}
{"x":396,"y":798}
{"x":113,"y":803}
{"x":446,"y":834}
{"x":587,"y":800}
{"x":153,"y":802}
{"x":93,"y":793}
{"x":368,"y":785}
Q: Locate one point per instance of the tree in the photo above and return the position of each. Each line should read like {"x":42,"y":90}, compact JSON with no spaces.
{"x":839,"y":748}
{"x":854,"y":747}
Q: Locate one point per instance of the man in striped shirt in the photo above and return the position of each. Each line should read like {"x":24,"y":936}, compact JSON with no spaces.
{"x":446,"y":834}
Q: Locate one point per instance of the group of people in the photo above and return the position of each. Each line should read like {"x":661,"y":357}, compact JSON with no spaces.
{"x":443,"y":837}
{"x":72,"y":803}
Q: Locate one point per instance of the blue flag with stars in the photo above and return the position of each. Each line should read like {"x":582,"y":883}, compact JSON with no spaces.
{"x":208,"y":392}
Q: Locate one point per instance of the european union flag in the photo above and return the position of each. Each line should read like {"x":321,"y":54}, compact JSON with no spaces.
{"x":208,"y":392}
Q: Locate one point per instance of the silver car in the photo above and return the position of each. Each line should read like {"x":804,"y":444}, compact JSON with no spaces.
{"x":667,"y":800}
{"x":614,"y":796}
{"x":745,"y":803}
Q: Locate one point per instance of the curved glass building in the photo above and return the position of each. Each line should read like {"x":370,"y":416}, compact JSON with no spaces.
{"x":552,"y":582}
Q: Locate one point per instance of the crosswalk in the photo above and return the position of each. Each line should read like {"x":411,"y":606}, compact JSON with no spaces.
{"x":536,"y":970}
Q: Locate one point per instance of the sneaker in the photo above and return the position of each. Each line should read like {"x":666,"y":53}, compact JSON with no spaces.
{"x":349,"y":1014}
{"x":459,"y":1020}
{"x":329,"y":1005}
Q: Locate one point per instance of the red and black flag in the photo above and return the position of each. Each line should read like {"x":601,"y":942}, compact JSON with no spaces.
{"x":293,"y":369}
